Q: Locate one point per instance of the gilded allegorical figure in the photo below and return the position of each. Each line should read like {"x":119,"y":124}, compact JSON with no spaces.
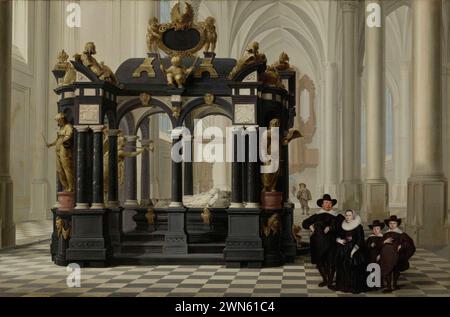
{"x":283,"y":62}
{"x":182,"y":21}
{"x":121,"y":155}
{"x":269,"y":180}
{"x":63,"y":147}
{"x":210,"y":34}
{"x":153,"y":35}
{"x":177,"y":74}
{"x":251,"y":55}
{"x":271,"y":77}
{"x":102,"y":71}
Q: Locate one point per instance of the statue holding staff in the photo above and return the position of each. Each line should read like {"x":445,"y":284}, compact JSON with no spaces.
{"x":63,"y":148}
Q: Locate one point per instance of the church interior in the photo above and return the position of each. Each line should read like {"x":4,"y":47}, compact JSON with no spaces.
{"x":358,"y":88}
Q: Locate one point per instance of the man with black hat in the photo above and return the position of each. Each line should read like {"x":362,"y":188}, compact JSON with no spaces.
{"x":395,"y":253}
{"x":323,"y":226}
{"x":374,"y":242}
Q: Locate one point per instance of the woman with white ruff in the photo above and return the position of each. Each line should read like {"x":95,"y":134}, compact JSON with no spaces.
{"x":350,"y":255}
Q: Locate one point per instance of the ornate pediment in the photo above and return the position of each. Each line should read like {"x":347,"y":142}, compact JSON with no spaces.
{"x":182,"y":36}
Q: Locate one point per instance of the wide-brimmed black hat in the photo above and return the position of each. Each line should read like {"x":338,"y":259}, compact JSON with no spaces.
{"x":376,"y":223}
{"x":393,"y":218}
{"x":326,"y":197}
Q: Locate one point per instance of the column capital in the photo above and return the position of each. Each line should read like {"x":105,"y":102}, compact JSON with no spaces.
{"x":237,"y":128}
{"x":146,"y":141}
{"x":350,"y":5}
{"x":97,"y":128}
{"x":252,"y":128}
{"x":81,"y":128}
{"x":113,"y":132}
{"x":131,"y":138}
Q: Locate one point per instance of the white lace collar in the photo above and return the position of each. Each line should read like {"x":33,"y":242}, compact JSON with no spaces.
{"x":376,"y":235}
{"x":347,"y":226}
{"x":397,"y":230}
{"x":331,"y":212}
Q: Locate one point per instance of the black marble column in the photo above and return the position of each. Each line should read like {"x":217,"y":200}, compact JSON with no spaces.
{"x":113,"y":192}
{"x":130,"y":172}
{"x":145,"y":176}
{"x":236,"y":172}
{"x":89,"y":163}
{"x":82,"y":184}
{"x":189,"y":173}
{"x":253,"y":193}
{"x":145,"y":164}
{"x":177,"y":180}
{"x":97,"y":168}
{"x":188,"y":166}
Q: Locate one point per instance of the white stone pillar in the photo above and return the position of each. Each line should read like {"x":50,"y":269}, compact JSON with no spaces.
{"x":39,"y":183}
{"x":350,"y":189}
{"x":330,"y":120}
{"x":375,"y":185}
{"x":7,"y":227}
{"x":427,"y":186}
{"x":403,"y":124}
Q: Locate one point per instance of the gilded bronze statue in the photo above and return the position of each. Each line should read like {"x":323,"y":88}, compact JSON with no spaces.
{"x":182,"y":21}
{"x":153,"y":35}
{"x":251,"y":55}
{"x":210,"y":34}
{"x":270,"y":180}
{"x":271,"y":77}
{"x":102,"y":71}
{"x":63,"y":148}
{"x":121,"y":155}
{"x":283,"y":62}
{"x":177,"y":74}
{"x":70,"y":76}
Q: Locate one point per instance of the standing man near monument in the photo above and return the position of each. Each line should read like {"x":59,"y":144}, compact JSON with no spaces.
{"x":323,"y":225}
{"x":303,"y":196}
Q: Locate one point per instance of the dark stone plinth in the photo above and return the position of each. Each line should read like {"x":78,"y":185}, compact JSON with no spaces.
{"x":200,"y":232}
{"x":175,"y":241}
{"x":90,"y":240}
{"x":288,"y":243}
{"x":113,"y":218}
{"x":243,"y":245}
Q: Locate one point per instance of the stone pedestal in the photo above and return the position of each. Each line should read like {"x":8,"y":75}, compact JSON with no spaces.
{"x":288,"y":242}
{"x":89,"y":244}
{"x":376,"y":196}
{"x":175,"y":241}
{"x":272,"y":200}
{"x":350,"y":195}
{"x":243,"y":245}
{"x":66,"y":201}
{"x":113,"y":218}
{"x":426,"y":219}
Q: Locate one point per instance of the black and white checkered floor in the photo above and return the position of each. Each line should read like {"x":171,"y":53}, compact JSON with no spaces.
{"x":28,"y":271}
